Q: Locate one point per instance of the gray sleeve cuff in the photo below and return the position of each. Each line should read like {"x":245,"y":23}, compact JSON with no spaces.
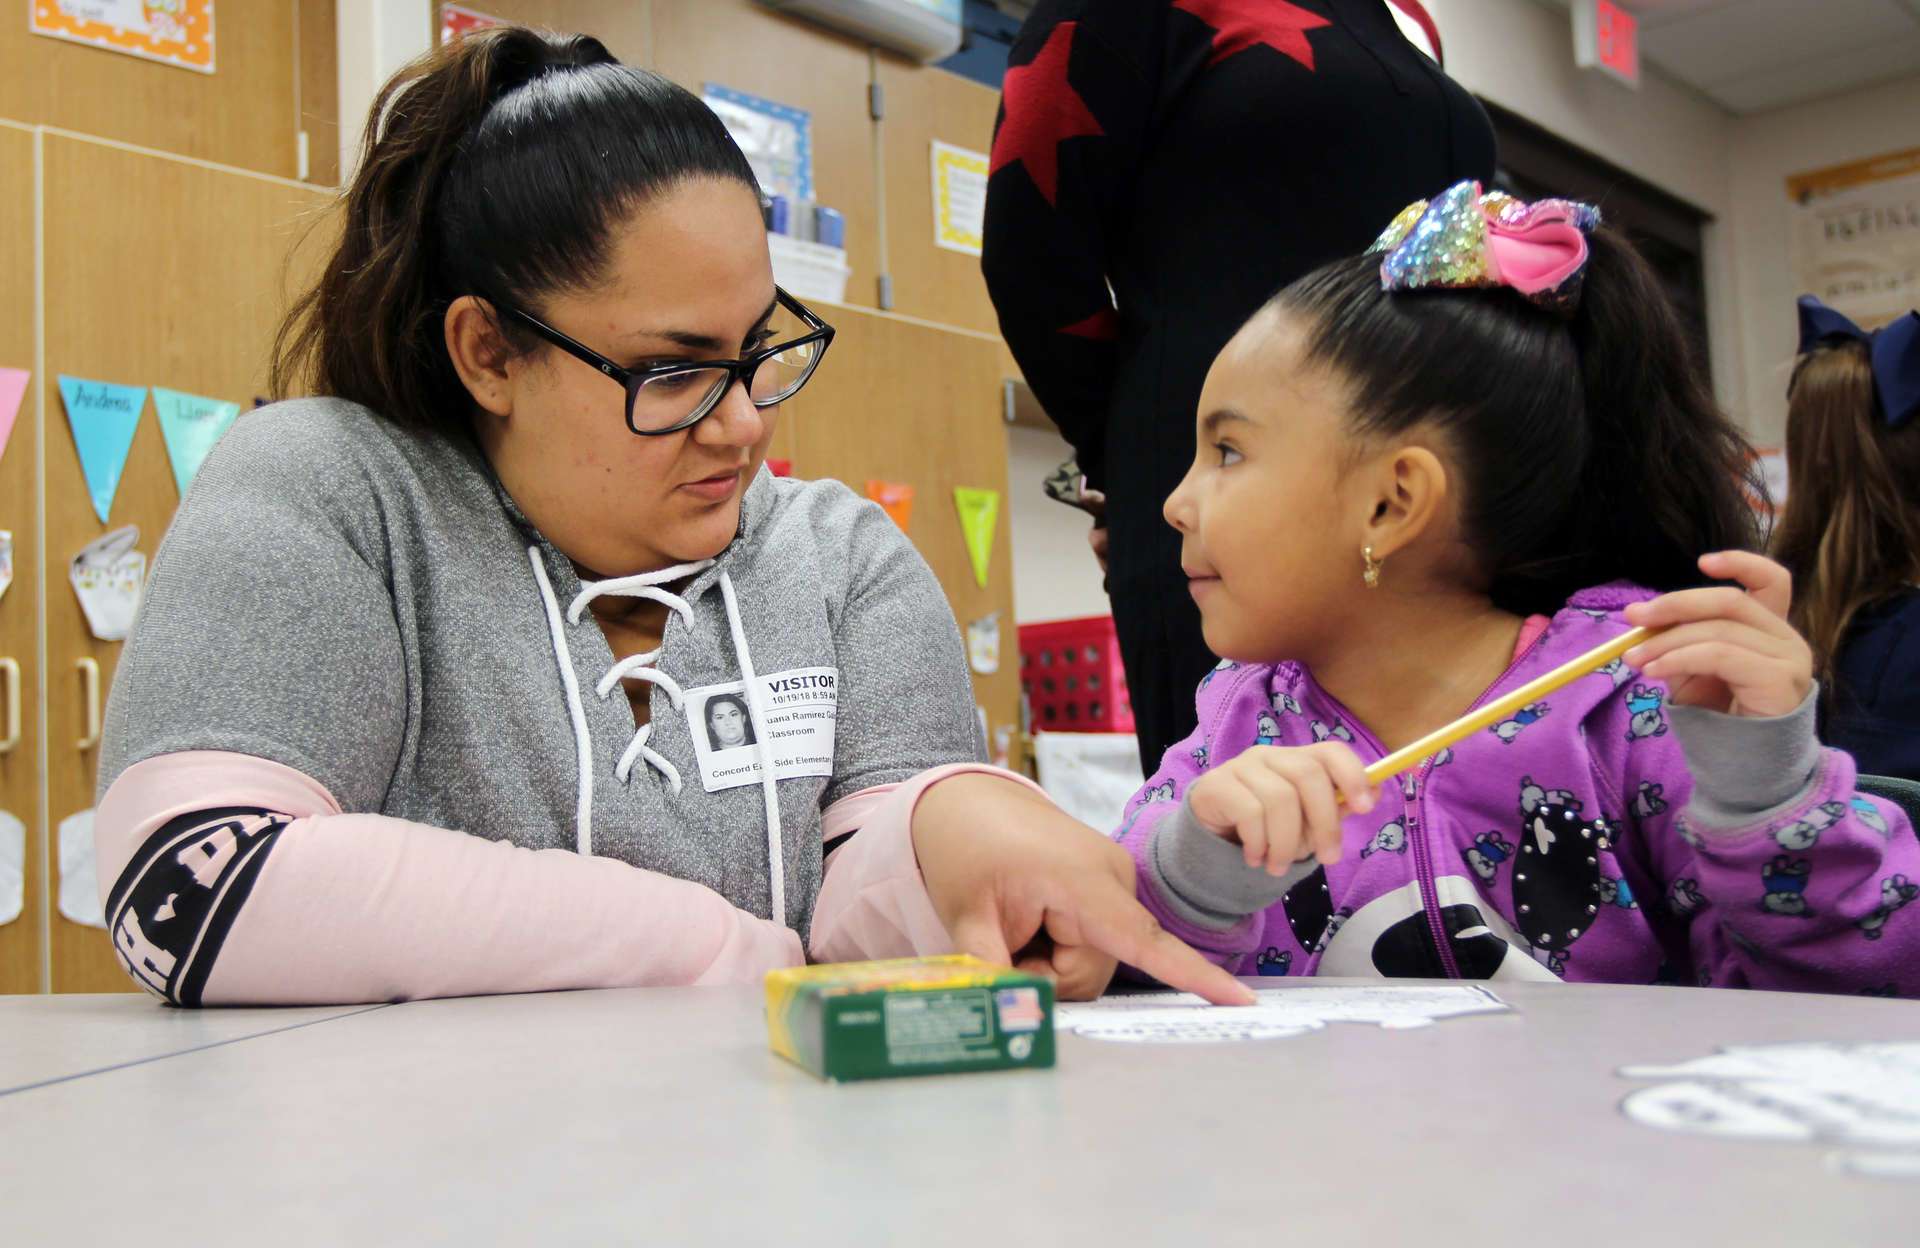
{"x":1746,"y":769}
{"x":1205,"y":879}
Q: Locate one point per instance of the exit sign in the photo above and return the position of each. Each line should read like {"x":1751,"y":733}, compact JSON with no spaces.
{"x":1606,"y":37}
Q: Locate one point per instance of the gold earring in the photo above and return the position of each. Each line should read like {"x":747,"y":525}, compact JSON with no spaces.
{"x":1371,"y":574}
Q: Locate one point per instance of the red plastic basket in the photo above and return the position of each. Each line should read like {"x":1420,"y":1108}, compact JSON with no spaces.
{"x":1071,"y":673}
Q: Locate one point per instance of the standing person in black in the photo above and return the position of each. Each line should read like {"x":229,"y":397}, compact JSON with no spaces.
{"x":1191,"y":157}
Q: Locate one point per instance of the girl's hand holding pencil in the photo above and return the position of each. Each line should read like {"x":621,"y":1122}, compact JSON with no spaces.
{"x":1727,"y":649}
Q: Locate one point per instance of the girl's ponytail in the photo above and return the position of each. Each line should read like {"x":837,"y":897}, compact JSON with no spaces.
{"x":1679,"y":473}
{"x":1590,"y":449}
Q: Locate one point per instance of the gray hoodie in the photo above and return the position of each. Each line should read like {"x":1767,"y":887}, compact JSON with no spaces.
{"x":365,"y":604}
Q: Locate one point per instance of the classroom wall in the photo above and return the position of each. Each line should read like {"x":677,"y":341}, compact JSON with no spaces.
{"x":1767,"y":149}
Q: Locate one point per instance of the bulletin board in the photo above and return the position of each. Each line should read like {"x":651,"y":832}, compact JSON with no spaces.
{"x":173,"y":32}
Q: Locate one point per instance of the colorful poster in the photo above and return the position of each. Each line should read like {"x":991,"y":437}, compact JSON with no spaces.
{"x":13,"y":388}
{"x":776,"y":138}
{"x":103,"y":417}
{"x":959,"y":197}
{"x":458,"y":19}
{"x":979,"y":510}
{"x":173,"y":32}
{"x":1856,"y":236}
{"x":191,"y":425}
{"x":896,"y":497}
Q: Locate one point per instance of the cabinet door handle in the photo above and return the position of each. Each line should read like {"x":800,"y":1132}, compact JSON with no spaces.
{"x":10,"y":670}
{"x":90,"y":682}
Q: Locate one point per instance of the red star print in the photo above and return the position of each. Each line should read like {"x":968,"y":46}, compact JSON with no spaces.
{"x":1239,"y":24}
{"x":1043,"y":111}
{"x":1101,"y":326}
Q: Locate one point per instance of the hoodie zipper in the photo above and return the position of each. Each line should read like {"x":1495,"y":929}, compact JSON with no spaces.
{"x":1416,"y":835}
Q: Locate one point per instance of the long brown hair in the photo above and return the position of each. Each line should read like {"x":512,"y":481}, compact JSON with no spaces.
{"x":1851,"y":532}
{"x":498,"y":166}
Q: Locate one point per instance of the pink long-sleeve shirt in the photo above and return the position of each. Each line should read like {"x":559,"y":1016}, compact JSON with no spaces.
{"x":338,"y":907}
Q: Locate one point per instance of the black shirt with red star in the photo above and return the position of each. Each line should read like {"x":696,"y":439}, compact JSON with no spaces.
{"x":1197,"y":155}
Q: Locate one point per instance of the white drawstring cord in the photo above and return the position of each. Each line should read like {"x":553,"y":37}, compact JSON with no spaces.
{"x":769,"y":793}
{"x":583,"y":745}
{"x":640,"y":666}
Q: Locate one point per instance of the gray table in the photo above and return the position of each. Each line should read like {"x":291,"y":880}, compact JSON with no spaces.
{"x":47,"y":1040}
{"x":659,"y":1116}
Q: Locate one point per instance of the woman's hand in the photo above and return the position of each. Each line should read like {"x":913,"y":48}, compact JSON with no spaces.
{"x":1019,"y":882}
{"x":1283,"y":804}
{"x":1726,"y":649}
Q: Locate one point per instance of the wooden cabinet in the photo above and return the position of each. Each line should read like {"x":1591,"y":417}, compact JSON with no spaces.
{"x":22,"y":951}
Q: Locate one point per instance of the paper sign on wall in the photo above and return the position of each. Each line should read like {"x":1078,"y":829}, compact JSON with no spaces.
{"x":79,"y":879}
{"x":959,"y":197}
{"x":6,"y":561}
{"x":776,"y":138}
{"x":979,"y":509}
{"x":13,"y":867}
{"x":103,"y":417}
{"x":896,"y":497}
{"x":191,"y":425}
{"x":983,"y":644}
{"x":173,"y":32}
{"x":13,"y":388}
{"x":107,"y":577}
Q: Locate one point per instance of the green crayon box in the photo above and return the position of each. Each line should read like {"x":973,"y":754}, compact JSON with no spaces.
{"x":909,"y":1016}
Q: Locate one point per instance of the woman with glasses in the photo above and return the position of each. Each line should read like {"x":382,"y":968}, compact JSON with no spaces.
{"x":411,"y":707}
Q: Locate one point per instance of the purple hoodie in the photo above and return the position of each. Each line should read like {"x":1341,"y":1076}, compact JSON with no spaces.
{"x":1573,"y":841}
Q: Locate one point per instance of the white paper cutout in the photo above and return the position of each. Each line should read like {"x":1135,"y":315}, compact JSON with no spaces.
{"x":1182,"y":1018}
{"x":13,"y":867}
{"x":1866,"y":1096}
{"x":79,"y":886}
{"x":6,"y":561}
{"x":107,"y":576}
{"x":983,"y":644}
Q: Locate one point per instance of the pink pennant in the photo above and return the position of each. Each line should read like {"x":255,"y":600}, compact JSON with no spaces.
{"x":13,"y":388}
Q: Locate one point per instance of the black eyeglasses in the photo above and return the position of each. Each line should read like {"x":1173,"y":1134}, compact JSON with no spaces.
{"x":666,"y":398}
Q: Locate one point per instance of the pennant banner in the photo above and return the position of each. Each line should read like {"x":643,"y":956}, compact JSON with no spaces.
{"x":103,"y":417}
{"x":979,"y":509}
{"x":191,"y":425}
{"x":13,"y":388}
{"x":895,"y":497}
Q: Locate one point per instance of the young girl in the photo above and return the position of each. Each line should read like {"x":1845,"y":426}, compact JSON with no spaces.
{"x":1851,"y":533}
{"x":1421,"y":481}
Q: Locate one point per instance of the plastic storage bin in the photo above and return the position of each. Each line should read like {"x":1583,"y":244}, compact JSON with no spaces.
{"x":1070,"y":671}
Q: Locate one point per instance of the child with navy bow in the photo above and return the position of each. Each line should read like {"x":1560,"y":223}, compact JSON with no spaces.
{"x":1851,"y":531}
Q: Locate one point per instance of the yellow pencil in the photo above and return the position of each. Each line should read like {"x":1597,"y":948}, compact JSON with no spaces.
{"x":1501,"y":708}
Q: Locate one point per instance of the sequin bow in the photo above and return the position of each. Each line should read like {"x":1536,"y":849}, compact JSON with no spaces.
{"x":1469,"y":240}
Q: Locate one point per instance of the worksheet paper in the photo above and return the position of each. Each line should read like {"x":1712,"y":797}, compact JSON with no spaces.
{"x":1865,"y":1097}
{"x":1182,"y":1018}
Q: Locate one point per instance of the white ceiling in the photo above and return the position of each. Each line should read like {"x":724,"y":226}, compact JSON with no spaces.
{"x":1755,"y":55}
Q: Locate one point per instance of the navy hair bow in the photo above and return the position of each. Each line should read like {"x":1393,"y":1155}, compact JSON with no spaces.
{"x":1893,"y":349}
